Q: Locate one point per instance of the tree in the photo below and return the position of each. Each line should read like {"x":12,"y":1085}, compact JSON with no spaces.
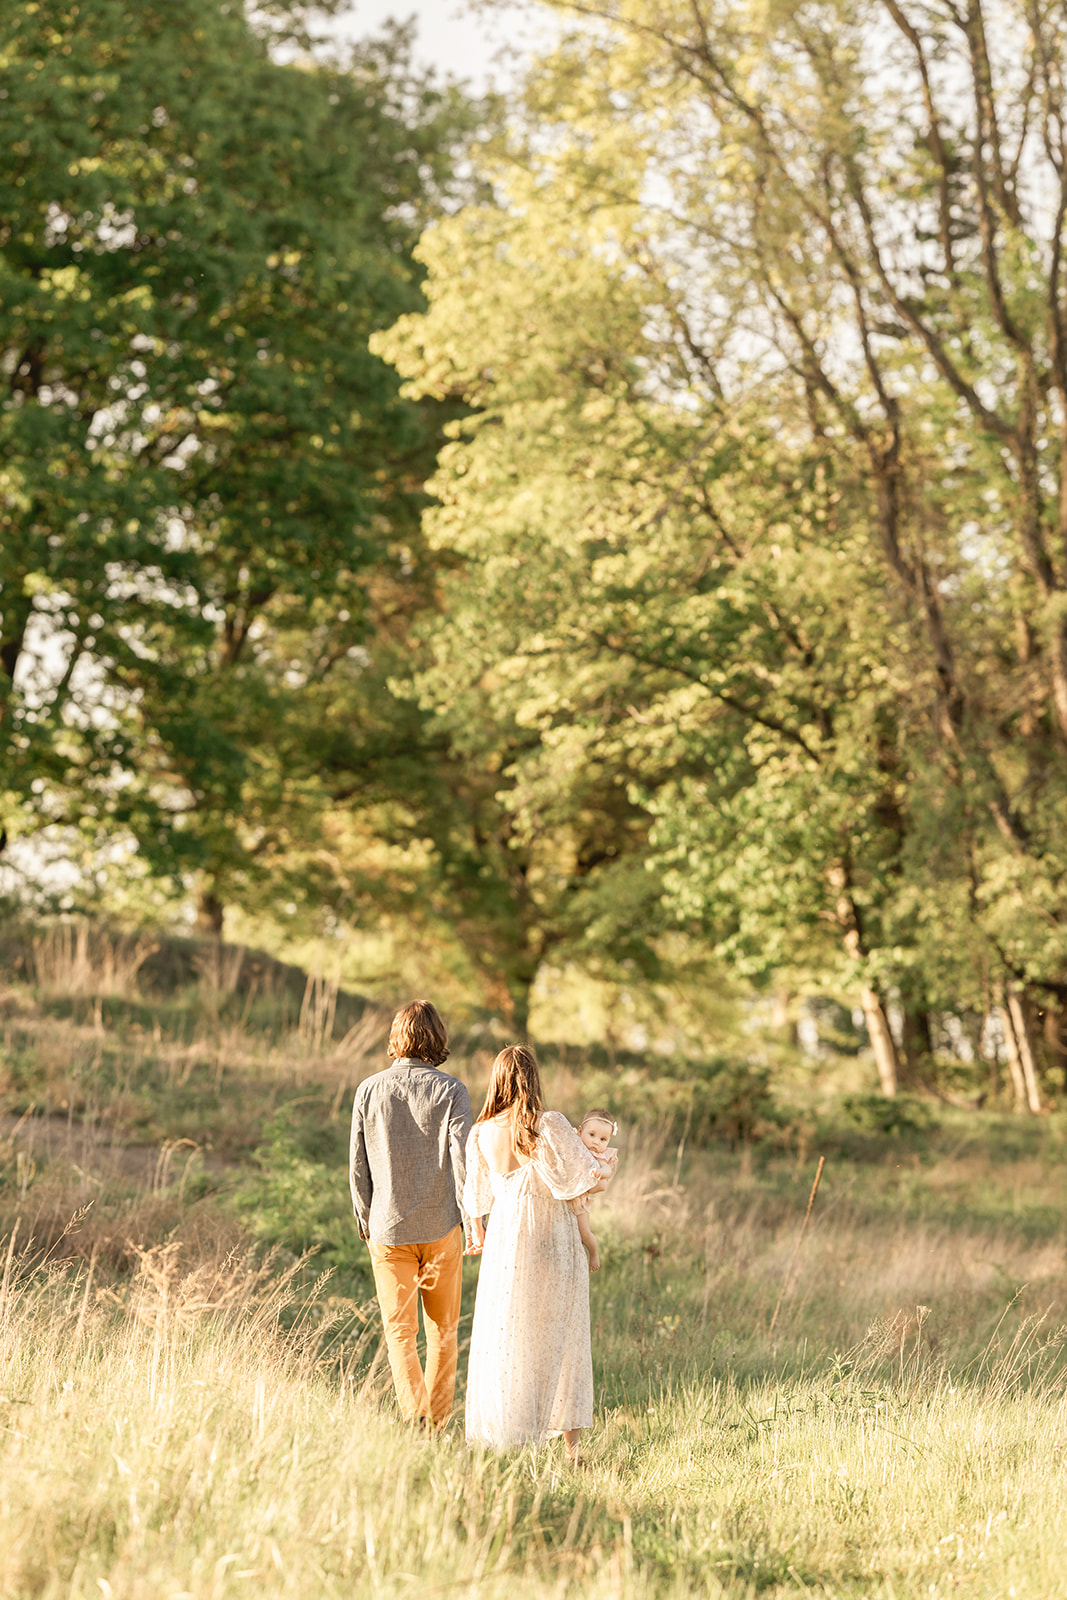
{"x":766,"y":349}
{"x":636,"y":644}
{"x":205,"y":473}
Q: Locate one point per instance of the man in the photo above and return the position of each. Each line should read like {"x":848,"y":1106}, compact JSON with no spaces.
{"x":409,"y":1136}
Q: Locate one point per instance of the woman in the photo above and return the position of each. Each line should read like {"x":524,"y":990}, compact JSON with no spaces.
{"x":531,"y":1369}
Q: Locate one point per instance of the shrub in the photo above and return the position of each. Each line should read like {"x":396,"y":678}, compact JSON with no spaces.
{"x":720,"y":1098}
{"x":873,"y":1113}
{"x":297,"y":1199}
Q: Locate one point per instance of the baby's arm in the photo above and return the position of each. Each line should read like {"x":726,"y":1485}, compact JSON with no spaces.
{"x":607,"y":1164}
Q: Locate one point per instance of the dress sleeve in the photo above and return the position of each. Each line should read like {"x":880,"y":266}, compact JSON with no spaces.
{"x":477,"y":1198}
{"x":564,"y":1164}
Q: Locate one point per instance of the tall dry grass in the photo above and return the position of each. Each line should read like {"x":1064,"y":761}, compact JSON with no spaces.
{"x":183,"y":1416}
{"x":200,"y":1433}
{"x":80,"y":959}
{"x":192,"y":1435}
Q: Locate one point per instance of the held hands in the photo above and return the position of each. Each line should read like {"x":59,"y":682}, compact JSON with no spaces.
{"x":477,"y":1238}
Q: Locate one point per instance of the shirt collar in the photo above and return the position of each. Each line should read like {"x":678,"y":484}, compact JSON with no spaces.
{"x":412,"y":1061}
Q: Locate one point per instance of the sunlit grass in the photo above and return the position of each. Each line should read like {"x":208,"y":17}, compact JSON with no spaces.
{"x":184,"y":1414}
{"x":197,"y":1432}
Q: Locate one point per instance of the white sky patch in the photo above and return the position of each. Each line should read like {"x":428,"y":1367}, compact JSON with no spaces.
{"x":481,"y":46}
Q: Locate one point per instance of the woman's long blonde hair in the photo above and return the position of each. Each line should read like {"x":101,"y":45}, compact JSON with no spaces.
{"x":515,"y":1086}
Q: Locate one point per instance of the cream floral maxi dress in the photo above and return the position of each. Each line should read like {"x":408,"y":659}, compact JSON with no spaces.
{"x":531,"y":1368}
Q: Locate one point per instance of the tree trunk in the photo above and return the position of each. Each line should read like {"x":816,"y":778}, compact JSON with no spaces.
{"x":1019,"y":1010}
{"x":520,"y":1007}
{"x":1053,"y":1037}
{"x":209,"y":914}
{"x":848,"y":917}
{"x":1009,"y":1009}
{"x":508,"y":994}
{"x":916,"y":1041}
{"x":18,"y":606}
{"x":784,"y":1021}
{"x":885,"y":1051}
{"x":988,"y":1047}
{"x":1018,"y":1083}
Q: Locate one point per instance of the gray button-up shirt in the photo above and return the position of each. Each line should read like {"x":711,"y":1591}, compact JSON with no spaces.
{"x":406,"y":1166}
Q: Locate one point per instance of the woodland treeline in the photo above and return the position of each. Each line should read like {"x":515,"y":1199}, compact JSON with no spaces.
{"x":626,"y":526}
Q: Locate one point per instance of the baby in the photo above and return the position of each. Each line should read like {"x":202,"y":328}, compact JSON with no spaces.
{"x":595,"y":1130}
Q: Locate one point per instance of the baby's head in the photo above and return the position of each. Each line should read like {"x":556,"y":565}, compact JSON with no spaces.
{"x":596,"y":1130}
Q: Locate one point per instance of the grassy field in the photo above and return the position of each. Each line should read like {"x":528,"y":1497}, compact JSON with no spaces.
{"x":188,"y":1407}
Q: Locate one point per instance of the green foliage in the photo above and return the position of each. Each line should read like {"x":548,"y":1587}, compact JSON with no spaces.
{"x":203,"y":466}
{"x":670,"y":678}
{"x":758,"y":599}
{"x":295,"y":1198}
{"x":738,"y":624}
{"x":873,"y":1113}
{"x":696,"y":1101}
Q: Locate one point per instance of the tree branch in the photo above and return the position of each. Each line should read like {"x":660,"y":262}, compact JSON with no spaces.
{"x":761,"y":718}
{"x":937,"y":143}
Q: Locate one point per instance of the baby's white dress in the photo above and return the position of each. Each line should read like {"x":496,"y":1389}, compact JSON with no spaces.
{"x":531,"y":1368}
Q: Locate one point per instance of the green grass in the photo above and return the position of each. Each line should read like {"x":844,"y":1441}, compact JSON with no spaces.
{"x":184,"y":1411}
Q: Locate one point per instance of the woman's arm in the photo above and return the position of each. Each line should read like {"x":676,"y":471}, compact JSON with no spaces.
{"x":477,"y":1198}
{"x":566,"y":1167}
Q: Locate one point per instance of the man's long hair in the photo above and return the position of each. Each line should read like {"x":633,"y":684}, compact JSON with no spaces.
{"x":419,"y":1033}
{"x":515,"y":1086}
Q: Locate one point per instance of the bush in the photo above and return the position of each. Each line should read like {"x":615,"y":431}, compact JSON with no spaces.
{"x":701,"y":1101}
{"x":298,"y":1200}
{"x":873,"y":1113}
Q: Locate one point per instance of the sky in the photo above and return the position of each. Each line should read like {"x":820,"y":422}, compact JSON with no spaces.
{"x":451,"y":35}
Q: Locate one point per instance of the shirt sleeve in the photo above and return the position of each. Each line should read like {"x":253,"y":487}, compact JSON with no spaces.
{"x":459,"y":1128}
{"x":567,"y":1168}
{"x":477,"y":1189}
{"x":359,"y":1178}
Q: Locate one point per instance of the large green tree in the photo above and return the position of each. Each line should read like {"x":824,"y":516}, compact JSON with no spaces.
{"x":763,"y":501}
{"x":209,"y":488}
{"x":659,"y":644}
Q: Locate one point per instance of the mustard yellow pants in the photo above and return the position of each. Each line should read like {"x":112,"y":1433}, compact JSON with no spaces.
{"x":404,"y":1274}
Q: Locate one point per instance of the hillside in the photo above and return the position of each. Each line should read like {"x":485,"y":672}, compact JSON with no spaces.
{"x":168,"y":1154}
